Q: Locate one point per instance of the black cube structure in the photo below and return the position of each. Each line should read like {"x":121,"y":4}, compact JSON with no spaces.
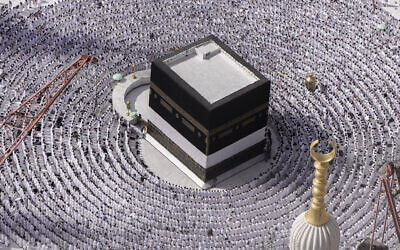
{"x":208,"y":108}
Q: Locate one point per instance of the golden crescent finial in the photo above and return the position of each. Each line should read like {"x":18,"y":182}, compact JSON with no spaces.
{"x":316,"y":215}
{"x":323,"y":158}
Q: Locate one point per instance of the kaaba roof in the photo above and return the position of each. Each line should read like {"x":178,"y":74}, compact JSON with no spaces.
{"x":210,"y":82}
{"x":211,"y":71}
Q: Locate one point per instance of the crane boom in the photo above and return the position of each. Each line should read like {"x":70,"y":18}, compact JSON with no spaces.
{"x":21,"y":120}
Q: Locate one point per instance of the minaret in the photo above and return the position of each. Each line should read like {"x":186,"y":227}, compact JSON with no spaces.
{"x":315,"y":229}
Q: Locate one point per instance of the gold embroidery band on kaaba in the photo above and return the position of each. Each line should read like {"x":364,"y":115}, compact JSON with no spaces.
{"x":200,"y":127}
{"x":188,"y":125}
{"x":166,"y":105}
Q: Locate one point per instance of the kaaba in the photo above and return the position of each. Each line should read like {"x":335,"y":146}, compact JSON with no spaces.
{"x":208,"y":107}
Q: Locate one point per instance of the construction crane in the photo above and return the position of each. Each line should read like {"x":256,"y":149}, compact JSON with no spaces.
{"x":21,"y":120}
{"x":387,"y":180}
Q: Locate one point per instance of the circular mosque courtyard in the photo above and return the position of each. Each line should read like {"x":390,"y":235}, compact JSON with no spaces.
{"x":77,"y":180}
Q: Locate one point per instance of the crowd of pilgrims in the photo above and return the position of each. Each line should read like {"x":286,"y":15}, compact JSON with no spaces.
{"x":78,"y":180}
